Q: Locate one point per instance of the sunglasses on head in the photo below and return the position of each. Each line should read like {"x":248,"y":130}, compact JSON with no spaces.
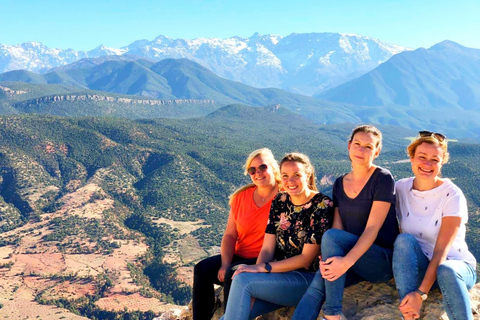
{"x":261,"y":168}
{"x":440,"y":137}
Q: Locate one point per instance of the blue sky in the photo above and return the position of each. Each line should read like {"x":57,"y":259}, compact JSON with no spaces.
{"x":85,"y":24}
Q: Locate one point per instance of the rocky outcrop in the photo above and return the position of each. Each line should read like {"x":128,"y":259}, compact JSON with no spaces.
{"x":96,"y":97}
{"x":366,"y":301}
{"x":12,"y":92}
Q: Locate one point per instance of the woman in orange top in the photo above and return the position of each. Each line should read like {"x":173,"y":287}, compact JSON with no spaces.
{"x":243,"y":237}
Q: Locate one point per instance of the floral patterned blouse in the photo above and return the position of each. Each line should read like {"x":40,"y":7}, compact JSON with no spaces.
{"x":296,"y":225}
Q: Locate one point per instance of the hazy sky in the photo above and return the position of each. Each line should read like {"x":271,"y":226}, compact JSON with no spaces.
{"x":85,"y":24}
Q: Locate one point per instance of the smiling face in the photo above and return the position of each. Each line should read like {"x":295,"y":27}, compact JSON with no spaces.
{"x":294,"y":178}
{"x":427,"y":161}
{"x":262,"y":178}
{"x":363,"y":148}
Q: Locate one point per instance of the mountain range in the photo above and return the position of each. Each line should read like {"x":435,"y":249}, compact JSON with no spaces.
{"x":436,"y":88}
{"x":439,"y":87}
{"x":175,"y":80}
{"x":305,"y":63}
{"x":116,"y":165}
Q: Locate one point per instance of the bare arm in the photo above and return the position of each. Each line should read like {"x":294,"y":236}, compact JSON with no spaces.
{"x":268,"y":249}
{"x":337,"y":220}
{"x":227,"y":248}
{"x":335,"y":267}
{"x":303,"y":260}
{"x":375,"y":221}
{"x":446,"y":236}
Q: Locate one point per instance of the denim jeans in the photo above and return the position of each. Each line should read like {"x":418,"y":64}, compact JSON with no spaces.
{"x":454,"y":277}
{"x":270,"y":290}
{"x":374,"y":266}
{"x":205,"y":274}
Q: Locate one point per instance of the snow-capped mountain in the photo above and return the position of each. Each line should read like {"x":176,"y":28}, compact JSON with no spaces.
{"x":303,"y":63}
{"x":101,"y":51}
{"x":34,"y":56}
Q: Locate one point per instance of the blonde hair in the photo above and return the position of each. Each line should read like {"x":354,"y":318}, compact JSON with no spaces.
{"x":269,"y":158}
{"x":309,"y":169}
{"x":412,"y":147}
{"x":368,"y":129}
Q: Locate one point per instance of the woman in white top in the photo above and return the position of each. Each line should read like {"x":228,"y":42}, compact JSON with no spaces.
{"x":432,"y":213}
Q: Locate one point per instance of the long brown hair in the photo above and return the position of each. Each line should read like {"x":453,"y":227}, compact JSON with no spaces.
{"x":309,"y":170}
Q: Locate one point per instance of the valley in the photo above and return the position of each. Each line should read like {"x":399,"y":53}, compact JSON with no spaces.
{"x":116,"y":164}
{"x":105,"y":217}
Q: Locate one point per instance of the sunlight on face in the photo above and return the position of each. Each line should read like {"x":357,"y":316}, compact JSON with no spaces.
{"x":427,"y":161}
{"x":294,"y":177}
{"x":262,"y":178}
{"x":363,"y":148}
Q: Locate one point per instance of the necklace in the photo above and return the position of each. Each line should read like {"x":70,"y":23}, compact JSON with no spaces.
{"x":362,"y":181}
{"x":268,"y":195}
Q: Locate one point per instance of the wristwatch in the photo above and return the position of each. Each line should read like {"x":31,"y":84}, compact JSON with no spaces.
{"x":268,"y":267}
{"x":422,"y":294}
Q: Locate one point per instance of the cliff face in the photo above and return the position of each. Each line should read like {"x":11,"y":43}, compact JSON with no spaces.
{"x":96,"y":97}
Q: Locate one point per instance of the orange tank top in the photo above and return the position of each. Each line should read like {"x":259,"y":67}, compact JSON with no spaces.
{"x":251,"y":222}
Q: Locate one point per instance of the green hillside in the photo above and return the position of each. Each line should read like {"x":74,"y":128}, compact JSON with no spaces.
{"x":61,"y":100}
{"x":181,"y":169}
{"x":167,"y":79}
{"x":184,"y":169}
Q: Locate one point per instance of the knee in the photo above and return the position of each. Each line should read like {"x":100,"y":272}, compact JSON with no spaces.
{"x":335,"y":242}
{"x":405,"y":242}
{"x":201,"y":268}
{"x":446,"y":272}
{"x":241,"y":278}
{"x":330,"y":237}
{"x":241,"y":281}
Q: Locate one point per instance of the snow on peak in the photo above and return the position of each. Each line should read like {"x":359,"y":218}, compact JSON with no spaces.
{"x":302,"y":62}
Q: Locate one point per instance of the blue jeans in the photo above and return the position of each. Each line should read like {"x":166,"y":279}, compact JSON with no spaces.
{"x":454,"y":277}
{"x":270,"y":290}
{"x":374,"y":266}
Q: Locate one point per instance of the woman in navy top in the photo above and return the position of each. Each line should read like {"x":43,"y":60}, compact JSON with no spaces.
{"x":360,"y":245}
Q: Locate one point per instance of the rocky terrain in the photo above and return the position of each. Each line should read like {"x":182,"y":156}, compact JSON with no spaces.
{"x":36,"y":274}
{"x":105,"y":218}
{"x":367,"y":301}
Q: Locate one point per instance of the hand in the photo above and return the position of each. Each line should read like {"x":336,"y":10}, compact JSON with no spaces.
{"x":410,"y":305}
{"x":333,"y":268}
{"x":256,"y":268}
{"x":221,"y":272}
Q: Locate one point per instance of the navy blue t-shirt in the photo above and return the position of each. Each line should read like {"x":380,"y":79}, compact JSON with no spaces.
{"x":355,"y":212}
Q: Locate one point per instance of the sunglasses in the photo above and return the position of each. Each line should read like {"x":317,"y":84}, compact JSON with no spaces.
{"x":440,"y":137}
{"x":261,"y":168}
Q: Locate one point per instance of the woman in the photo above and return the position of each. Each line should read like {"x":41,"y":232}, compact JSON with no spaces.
{"x":298,"y":218}
{"x":432,"y":212}
{"x":243,"y":237}
{"x":360,"y":244}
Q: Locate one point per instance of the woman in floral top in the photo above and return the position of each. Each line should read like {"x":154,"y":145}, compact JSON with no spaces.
{"x":286,"y":264}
